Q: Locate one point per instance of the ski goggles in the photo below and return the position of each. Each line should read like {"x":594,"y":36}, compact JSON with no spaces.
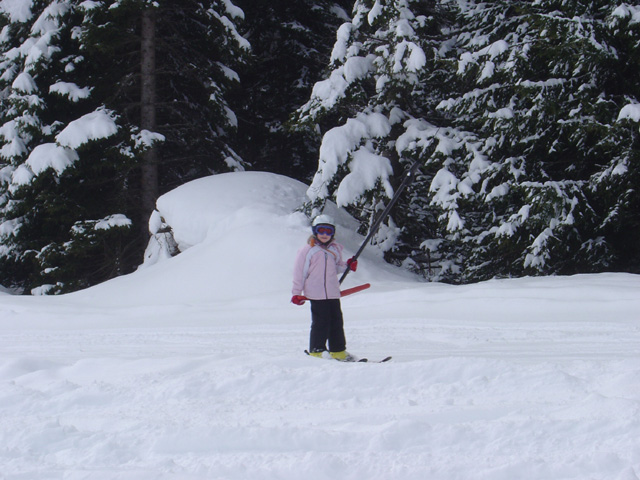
{"x":325,"y":231}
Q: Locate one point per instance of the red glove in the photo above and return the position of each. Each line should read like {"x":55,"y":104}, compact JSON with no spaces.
{"x":298,"y":299}
{"x":352,"y":263}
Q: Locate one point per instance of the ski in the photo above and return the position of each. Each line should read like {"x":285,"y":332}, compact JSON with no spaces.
{"x":360,"y":360}
{"x":385,"y":359}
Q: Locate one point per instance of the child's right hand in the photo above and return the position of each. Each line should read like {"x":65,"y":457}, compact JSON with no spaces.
{"x":298,"y":299}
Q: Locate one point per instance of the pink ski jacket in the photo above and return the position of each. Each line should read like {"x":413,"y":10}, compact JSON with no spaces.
{"x":316,"y":270}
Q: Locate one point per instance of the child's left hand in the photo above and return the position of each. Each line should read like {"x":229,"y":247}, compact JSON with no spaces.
{"x":352,"y":263}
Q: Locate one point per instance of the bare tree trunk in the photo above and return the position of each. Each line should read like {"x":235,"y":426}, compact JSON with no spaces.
{"x":148,"y":109}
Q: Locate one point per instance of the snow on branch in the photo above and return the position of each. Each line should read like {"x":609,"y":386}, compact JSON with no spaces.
{"x":338,"y":143}
{"x":17,"y":10}
{"x":70,"y":90}
{"x":367,"y":169}
{"x":116,"y":220}
{"x":414,"y":62}
{"x":233,"y":10}
{"x":93,"y":126}
{"x":50,"y":155}
{"x":492,"y":51}
{"x":630,"y":112}
{"x":15,"y":145}
{"x":25,"y":83}
{"x":327,"y":93}
{"x":235,"y":13}
{"x":627,"y":11}
{"x":146,"y":139}
{"x":339,"y":51}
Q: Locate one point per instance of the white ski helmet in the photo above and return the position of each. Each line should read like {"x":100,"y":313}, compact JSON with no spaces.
{"x":323,"y":220}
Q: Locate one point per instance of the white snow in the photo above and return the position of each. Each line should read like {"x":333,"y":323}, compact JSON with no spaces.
{"x":192,"y":368}
{"x":92,"y":126}
{"x":44,"y":29}
{"x":233,"y":10}
{"x":116,"y":220}
{"x":403,"y":28}
{"x":498,"y":191}
{"x":625,"y":10}
{"x":366,"y":170}
{"x":415,"y":61}
{"x":70,"y":90}
{"x":50,"y":155}
{"x":374,"y":13}
{"x":342,"y":37}
{"x":236,"y":13}
{"x":495,"y":49}
{"x":89,"y":5}
{"x":631,"y":112}
{"x":327,"y":92}
{"x":339,"y":142}
{"x":17,"y":10}
{"x":25,"y":83}
{"x":487,"y":71}
{"x":146,"y":138}
{"x":14,"y":146}
{"x":444,"y":185}
{"x":619,"y":169}
{"x":21,"y":176}
{"x":503,"y":113}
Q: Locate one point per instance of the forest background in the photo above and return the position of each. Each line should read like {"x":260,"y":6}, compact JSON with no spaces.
{"x":522,"y":115}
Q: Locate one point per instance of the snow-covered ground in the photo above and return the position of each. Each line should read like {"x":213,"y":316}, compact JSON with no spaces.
{"x":192,"y":368}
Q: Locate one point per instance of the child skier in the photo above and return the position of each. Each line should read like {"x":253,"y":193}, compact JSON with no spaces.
{"x":315,"y":274}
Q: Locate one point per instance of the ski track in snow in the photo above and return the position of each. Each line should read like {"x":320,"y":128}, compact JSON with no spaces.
{"x":193,"y":368}
{"x":233,"y":397}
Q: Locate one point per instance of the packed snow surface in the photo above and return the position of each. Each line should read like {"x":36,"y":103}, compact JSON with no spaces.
{"x":192,"y":368}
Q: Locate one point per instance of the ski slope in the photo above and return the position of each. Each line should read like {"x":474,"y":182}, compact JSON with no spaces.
{"x":192,"y":367}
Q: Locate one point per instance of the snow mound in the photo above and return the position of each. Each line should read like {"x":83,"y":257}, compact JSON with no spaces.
{"x":238,"y":234}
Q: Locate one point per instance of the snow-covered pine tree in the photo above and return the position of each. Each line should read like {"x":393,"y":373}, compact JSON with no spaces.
{"x":290,"y":46}
{"x":542,"y":84}
{"x":377,"y":112}
{"x":71,"y":141}
{"x":198,"y":51}
{"x":58,"y":175}
{"x":615,"y":187}
{"x":527,"y":105}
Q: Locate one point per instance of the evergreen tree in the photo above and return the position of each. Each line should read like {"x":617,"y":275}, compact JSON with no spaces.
{"x":58,"y":151}
{"x":198,"y":50}
{"x":385,"y":82}
{"x":72,"y":133}
{"x":540,"y":83}
{"x":615,"y":187}
{"x":513,"y":111}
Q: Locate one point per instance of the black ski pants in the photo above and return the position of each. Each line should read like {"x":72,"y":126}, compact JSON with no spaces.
{"x":327,"y":325}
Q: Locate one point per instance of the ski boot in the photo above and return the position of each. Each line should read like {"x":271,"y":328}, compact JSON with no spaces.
{"x":343,"y":356}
